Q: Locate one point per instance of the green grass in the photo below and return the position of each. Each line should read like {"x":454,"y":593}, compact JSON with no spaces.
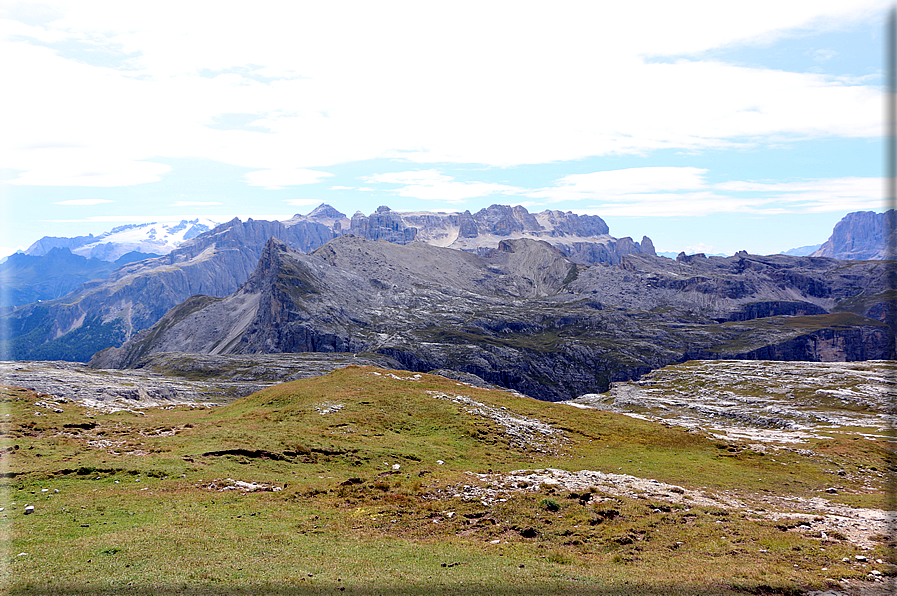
{"x":137,"y":512}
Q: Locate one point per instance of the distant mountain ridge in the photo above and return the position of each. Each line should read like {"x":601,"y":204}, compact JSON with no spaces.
{"x":153,"y":238}
{"x":802,"y":251}
{"x":105,"y":313}
{"x":26,"y":278}
{"x":583,"y":238}
{"x":215,"y":264}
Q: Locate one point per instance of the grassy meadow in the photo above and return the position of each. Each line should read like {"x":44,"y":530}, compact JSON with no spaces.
{"x":358,"y":477}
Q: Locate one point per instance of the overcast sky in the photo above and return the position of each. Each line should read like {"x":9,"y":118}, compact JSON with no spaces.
{"x":709,"y":126}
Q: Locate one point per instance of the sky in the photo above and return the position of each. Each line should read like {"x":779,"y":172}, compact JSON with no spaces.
{"x":708,"y":126}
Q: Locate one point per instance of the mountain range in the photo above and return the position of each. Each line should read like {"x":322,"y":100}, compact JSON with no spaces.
{"x":525,"y":316}
{"x":548,"y":303}
{"x":104,"y":313}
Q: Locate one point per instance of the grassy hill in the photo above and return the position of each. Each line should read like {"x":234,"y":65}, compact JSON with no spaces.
{"x":368,"y":481}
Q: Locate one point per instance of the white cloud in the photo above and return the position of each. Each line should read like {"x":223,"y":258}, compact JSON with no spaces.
{"x":685,"y":191}
{"x":431,"y":185}
{"x":194,"y":203}
{"x":623,"y":184}
{"x":342,"y":188}
{"x":817,"y":196}
{"x":824,"y":55}
{"x":700,"y":247}
{"x":515,"y":85}
{"x":279,"y":178}
{"x":61,"y":166}
{"x":6,"y":251}
{"x":83,"y":202}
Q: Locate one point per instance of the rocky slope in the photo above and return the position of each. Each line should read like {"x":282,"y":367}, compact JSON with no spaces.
{"x":859,"y":235}
{"x":526,"y":317}
{"x":761,"y":401}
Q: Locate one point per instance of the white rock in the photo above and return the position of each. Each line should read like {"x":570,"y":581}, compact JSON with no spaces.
{"x":29,"y":509}
{"x":439,"y":462}
{"x":396,"y":466}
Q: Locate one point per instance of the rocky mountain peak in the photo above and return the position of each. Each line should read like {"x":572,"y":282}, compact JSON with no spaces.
{"x":861,"y":235}
{"x":504,"y":220}
{"x":325,"y":211}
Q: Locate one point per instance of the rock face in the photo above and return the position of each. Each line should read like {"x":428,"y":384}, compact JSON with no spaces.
{"x":383,"y":224}
{"x":860,"y":235}
{"x":526,"y":317}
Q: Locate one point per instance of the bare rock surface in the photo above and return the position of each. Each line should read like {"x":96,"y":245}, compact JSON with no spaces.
{"x":169,"y":379}
{"x":760,"y":401}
